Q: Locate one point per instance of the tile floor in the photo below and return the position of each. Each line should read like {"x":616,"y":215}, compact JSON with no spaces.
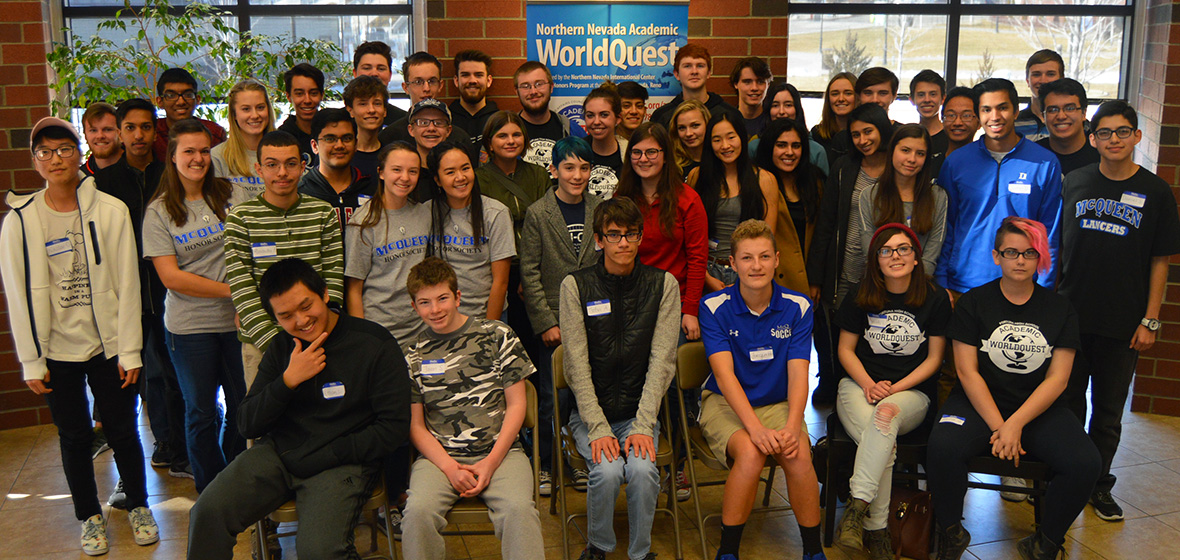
{"x":37,"y":521}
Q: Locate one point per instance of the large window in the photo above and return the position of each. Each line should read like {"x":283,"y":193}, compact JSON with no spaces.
{"x":963,"y":40}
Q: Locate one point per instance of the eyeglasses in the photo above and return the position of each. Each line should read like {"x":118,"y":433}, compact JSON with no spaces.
{"x":1123,"y":132}
{"x":291,"y":166}
{"x":423,"y":123}
{"x":433,"y":82}
{"x":532,"y":86}
{"x":651,"y":153}
{"x":1030,"y":254}
{"x":614,"y":237}
{"x":332,"y":139}
{"x":46,"y":154}
{"x":951,"y":117}
{"x":1050,"y":111}
{"x":902,"y":251}
{"x":173,"y":96}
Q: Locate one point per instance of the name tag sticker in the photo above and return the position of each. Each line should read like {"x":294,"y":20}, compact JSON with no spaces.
{"x":363,"y":198}
{"x":877,"y":321}
{"x":598,"y":308}
{"x":58,"y":246}
{"x":264,"y":250}
{"x":713,"y":243}
{"x":333,"y":390}
{"x":950,"y":419}
{"x":1134,"y":199}
{"x":762,"y":354}
{"x":434,"y":367}
{"x":1017,"y":187}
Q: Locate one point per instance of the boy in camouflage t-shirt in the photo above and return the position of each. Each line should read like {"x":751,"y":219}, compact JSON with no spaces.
{"x":467,"y":404}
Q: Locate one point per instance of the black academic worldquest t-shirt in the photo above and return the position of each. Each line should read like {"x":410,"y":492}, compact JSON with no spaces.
{"x":1110,"y":231}
{"x":1015,"y":342}
{"x":894,"y":341}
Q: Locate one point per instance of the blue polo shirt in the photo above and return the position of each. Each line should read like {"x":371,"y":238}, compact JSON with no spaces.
{"x":761,"y":345}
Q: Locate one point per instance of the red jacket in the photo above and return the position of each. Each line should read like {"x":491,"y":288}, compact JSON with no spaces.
{"x":686,"y":252}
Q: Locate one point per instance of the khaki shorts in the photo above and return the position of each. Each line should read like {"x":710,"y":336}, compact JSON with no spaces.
{"x":719,"y":422}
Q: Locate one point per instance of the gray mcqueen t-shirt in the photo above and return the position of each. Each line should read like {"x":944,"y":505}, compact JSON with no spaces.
{"x":382,"y":256}
{"x":473,"y":265}
{"x":199,"y":248}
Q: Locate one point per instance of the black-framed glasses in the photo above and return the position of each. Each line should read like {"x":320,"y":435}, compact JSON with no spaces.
{"x":423,"y":123}
{"x":189,"y":95}
{"x":433,"y":82}
{"x":614,"y":237}
{"x":1071,"y":108}
{"x":1028,"y":254}
{"x":902,"y":251}
{"x":332,"y":139}
{"x":46,"y":154}
{"x":1123,"y":132}
{"x":651,"y":153}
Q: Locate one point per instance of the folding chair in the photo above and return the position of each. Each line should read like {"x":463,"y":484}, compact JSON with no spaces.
{"x":288,"y":514}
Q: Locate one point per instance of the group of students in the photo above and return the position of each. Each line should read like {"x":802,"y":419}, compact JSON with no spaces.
{"x":341,"y":280}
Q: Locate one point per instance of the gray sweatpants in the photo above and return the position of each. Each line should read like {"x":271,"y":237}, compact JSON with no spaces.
{"x":509,"y":496}
{"x":256,"y":483}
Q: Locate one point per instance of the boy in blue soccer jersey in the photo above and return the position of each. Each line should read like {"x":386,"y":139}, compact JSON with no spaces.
{"x":757,"y":335}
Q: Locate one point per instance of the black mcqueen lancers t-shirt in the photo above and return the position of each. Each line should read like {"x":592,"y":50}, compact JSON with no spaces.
{"x":1015,"y":342}
{"x":894,"y":341}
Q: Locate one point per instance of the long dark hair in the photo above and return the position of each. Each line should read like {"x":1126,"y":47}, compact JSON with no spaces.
{"x":798,"y":100}
{"x":668,"y":185}
{"x":376,"y":205}
{"x":214,"y":190}
{"x":808,"y":177}
{"x":888,"y":202}
{"x":441,"y":210}
{"x":711,"y":177}
{"x":871,"y":113}
{"x":872,"y":294}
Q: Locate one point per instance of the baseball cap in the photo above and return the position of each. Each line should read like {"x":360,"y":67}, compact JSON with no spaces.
{"x":49,"y":122}
{"x":430,"y":103}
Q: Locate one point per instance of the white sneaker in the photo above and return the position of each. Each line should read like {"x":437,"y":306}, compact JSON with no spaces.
{"x":94,"y":536}
{"x":683,"y":488}
{"x":143,"y":526}
{"x":1014,"y":496}
{"x":581,"y":480}
{"x":546,"y":483}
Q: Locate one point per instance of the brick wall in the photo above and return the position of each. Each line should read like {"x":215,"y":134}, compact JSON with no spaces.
{"x":1157,"y":385}
{"x":24,"y":98}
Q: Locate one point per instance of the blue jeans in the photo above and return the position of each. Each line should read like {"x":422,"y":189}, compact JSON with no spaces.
{"x":643,"y":489}
{"x":204,"y":363}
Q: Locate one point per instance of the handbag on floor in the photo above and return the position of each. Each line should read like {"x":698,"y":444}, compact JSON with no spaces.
{"x":911,"y":521}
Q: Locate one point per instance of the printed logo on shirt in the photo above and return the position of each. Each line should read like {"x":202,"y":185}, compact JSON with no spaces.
{"x":540,"y":152}
{"x":402,"y":248}
{"x":603,"y":181}
{"x":1018,"y":348}
{"x":781,"y":331}
{"x":1124,"y":211}
{"x":207,"y":235}
{"x":73,"y":281}
{"x":894,"y":333}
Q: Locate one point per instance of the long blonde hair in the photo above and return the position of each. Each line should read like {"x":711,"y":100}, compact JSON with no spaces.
{"x":235,"y":145}
{"x":680,"y":154}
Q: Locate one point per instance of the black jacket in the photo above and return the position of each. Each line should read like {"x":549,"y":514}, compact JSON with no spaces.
{"x":472,"y":124}
{"x":715,"y":104}
{"x":360,"y":190}
{"x":826,"y":256}
{"x":621,"y":340}
{"x":291,"y":125}
{"x":136,"y":188}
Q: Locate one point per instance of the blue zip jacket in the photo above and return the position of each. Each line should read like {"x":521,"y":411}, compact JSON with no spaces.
{"x":1026,"y":183}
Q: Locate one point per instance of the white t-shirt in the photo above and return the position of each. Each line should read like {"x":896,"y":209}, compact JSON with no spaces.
{"x":73,"y":332}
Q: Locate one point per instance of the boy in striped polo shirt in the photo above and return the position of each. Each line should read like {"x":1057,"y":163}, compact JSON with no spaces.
{"x":277,"y":224}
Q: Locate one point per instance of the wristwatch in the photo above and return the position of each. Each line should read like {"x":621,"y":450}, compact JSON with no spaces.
{"x":1152,"y":325}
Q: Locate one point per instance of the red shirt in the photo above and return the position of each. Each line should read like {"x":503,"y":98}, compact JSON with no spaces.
{"x":684,"y":253}
{"x":160,"y":147}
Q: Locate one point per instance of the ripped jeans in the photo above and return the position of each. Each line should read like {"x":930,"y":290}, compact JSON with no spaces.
{"x":875,"y":430}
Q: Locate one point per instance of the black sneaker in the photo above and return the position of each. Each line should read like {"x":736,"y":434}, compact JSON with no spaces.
{"x":1105,"y":507}
{"x":952,"y":542}
{"x":161,"y":455}
{"x":100,"y":444}
{"x":118,"y":499}
{"x":592,"y":553}
{"x":179,"y":470}
{"x":1036,"y":547}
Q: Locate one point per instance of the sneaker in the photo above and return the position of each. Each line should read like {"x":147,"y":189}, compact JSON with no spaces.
{"x":143,"y":526}
{"x":726,"y":557}
{"x":879,"y":544}
{"x":1036,"y":547}
{"x":581,"y":480}
{"x":952,"y":542}
{"x":850,"y":531}
{"x":592,"y":553}
{"x":118,"y":499}
{"x":816,"y":556}
{"x":160,"y":455}
{"x":395,"y":521}
{"x":94,"y":536}
{"x":546,"y":483}
{"x":1105,"y":507}
{"x":683,"y":488}
{"x":100,"y":443}
{"x":1014,"y":496}
{"x":177,"y":470}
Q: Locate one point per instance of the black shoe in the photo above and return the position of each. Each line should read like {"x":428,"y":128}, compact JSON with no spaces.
{"x":180,"y":470}
{"x":1105,"y":507}
{"x":592,"y":553}
{"x":1036,"y":547}
{"x":952,"y":542}
{"x":118,"y":499}
{"x":161,"y":455}
{"x":100,"y":444}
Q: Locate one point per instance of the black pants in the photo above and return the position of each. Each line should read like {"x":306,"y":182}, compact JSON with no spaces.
{"x":1108,"y":366}
{"x":1055,"y":438}
{"x":71,"y":414}
{"x":825,"y":334}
